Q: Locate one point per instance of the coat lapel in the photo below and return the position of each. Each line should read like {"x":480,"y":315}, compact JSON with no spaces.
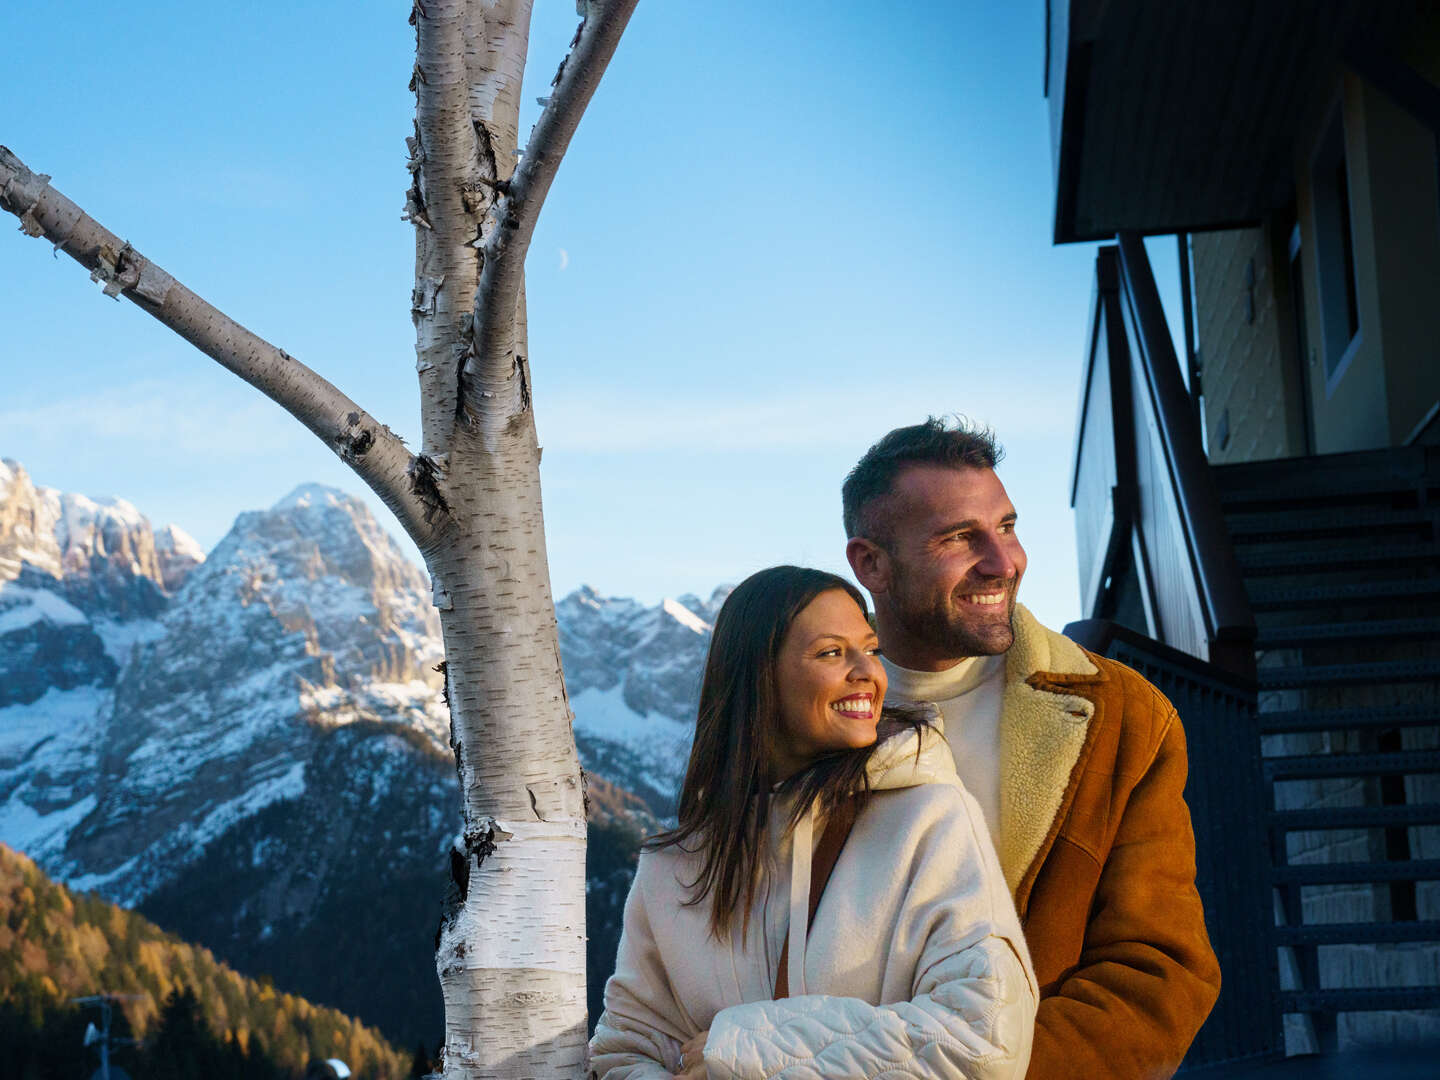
{"x":1042,"y":733}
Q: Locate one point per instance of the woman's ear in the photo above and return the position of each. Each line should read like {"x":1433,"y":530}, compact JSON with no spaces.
{"x":871,"y":564}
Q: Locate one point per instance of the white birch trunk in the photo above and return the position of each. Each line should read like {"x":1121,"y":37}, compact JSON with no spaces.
{"x":510,"y":952}
{"x":511,"y":947}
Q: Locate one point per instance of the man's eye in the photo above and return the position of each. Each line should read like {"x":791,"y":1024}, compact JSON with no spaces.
{"x":874,"y":650}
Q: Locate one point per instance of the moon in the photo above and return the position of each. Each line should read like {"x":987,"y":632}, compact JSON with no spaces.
{"x":564,"y":258}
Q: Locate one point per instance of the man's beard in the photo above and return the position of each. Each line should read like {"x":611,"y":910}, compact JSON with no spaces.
{"x":942,"y":626}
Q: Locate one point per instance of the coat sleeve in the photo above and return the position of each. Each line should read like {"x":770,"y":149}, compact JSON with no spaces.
{"x":1147,"y":976}
{"x":638,"y":1036}
{"x":971,"y":1017}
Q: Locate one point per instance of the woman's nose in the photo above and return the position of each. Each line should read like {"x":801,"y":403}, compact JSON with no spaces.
{"x":866,"y":666}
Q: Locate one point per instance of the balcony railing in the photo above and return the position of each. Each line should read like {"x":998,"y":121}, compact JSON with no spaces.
{"x":1154,"y":552}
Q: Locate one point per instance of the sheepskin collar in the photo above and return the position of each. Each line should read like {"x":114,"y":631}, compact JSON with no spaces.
{"x":1042,"y":734}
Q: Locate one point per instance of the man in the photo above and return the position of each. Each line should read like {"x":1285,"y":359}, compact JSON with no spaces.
{"x":1077,"y":761}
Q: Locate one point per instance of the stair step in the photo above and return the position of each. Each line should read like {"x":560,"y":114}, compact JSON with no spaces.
{"x":1304,"y":524}
{"x":1356,"y":873}
{"x":1363,"y":933}
{"x":1387,"y":671}
{"x":1367,"y":999}
{"x":1313,"y":766}
{"x":1292,"y":597}
{"x":1291,"y":560}
{"x":1289,"y":637}
{"x":1404,"y":815}
{"x":1382,"y":717}
{"x":1321,"y":479}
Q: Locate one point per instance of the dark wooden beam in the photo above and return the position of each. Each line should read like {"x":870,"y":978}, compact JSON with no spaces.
{"x":1396,"y":79}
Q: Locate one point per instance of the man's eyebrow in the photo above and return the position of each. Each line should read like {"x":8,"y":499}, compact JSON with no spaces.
{"x":973,"y":523}
{"x":959,"y":526}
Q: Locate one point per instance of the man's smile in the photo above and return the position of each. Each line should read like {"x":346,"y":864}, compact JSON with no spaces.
{"x":985,"y":599}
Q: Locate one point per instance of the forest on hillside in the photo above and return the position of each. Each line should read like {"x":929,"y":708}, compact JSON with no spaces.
{"x":192,"y":1015}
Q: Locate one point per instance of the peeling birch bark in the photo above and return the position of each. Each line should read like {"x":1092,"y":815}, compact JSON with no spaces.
{"x":510,"y":952}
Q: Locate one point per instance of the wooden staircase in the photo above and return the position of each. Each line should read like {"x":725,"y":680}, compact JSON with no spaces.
{"x":1340,"y":556}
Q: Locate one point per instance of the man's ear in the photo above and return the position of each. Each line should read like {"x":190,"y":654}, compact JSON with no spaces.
{"x":871,"y":564}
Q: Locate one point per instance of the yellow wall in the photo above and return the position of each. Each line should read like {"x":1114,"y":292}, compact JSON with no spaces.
{"x":1243,"y":369}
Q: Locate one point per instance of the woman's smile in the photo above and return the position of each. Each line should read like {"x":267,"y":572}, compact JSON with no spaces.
{"x":858,"y":705}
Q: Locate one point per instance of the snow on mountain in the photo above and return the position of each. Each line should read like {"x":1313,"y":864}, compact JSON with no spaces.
{"x":135,"y":735}
{"x":99,"y":554}
{"x":305,"y":616}
{"x":633,"y":675}
{"x":67,"y":564}
{"x":255,"y":743}
{"x":177,"y":553}
{"x":48,"y":752}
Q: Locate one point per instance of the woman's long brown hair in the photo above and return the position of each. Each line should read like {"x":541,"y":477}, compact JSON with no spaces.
{"x":729,"y":785}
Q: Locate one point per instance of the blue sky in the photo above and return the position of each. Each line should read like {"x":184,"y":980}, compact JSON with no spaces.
{"x":781,"y":230}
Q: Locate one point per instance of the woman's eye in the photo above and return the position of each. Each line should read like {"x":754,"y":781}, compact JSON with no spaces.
{"x":834,"y":650}
{"x":875,"y":650}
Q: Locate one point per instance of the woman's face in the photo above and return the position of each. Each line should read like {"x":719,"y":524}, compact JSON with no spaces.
{"x":830,"y":681}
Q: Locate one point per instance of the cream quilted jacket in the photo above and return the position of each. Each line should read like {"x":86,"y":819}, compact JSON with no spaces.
{"x":915,"y":964}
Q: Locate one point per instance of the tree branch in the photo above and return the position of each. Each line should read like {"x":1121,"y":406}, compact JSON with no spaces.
{"x":506,"y":247}
{"x":367,"y":446}
{"x":469,"y":66}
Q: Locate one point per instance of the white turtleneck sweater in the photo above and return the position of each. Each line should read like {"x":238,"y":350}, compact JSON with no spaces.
{"x":969,"y":695}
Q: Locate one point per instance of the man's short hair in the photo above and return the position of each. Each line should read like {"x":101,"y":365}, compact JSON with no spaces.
{"x":954,"y":444}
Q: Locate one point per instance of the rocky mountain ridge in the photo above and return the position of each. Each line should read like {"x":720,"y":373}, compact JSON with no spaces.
{"x":219,"y":739}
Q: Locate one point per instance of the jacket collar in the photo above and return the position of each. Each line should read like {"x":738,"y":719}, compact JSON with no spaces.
{"x":1043,"y":726}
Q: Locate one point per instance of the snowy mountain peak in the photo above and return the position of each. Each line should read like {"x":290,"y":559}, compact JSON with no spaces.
{"x":684,"y":616}
{"x":174,"y":540}
{"x":9,"y":470}
{"x":102,"y":549}
{"x":585,"y":595}
{"x":128,"y":743}
{"x":178,"y":554}
{"x":309,"y":495}
{"x":84,"y":521}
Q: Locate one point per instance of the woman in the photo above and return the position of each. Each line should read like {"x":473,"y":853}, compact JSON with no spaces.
{"x":914,"y":963}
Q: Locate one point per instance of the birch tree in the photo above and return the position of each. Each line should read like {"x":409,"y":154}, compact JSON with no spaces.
{"x":510,"y":953}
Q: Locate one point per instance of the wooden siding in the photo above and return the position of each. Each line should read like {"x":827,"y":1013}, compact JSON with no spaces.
{"x":1182,"y":117}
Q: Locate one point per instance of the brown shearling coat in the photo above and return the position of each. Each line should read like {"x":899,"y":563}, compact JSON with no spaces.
{"x":1097,"y":848}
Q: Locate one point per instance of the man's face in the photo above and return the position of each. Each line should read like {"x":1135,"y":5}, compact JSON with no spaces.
{"x":954,"y":564}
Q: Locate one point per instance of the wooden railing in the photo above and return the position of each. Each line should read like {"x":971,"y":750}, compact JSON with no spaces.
{"x":1154,"y":552}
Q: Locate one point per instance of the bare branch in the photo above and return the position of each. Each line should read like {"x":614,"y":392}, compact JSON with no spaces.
{"x":506,"y":246}
{"x":362,"y":442}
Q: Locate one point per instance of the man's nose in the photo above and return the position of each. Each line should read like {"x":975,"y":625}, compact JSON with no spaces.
{"x":997,"y":560}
